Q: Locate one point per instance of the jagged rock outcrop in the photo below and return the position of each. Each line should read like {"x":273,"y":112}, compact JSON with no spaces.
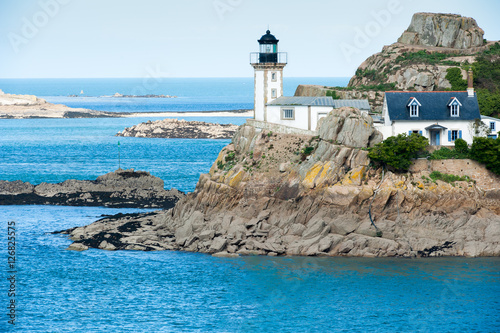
{"x":346,"y":126}
{"x":419,"y":61}
{"x":393,"y":66}
{"x":444,"y":30}
{"x":173,"y":128}
{"x":284,"y":194}
{"x":122,"y":188}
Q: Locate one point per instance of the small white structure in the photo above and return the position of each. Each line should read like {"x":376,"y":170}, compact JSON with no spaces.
{"x":269,"y":104}
{"x":305,"y":112}
{"x":493,"y":124}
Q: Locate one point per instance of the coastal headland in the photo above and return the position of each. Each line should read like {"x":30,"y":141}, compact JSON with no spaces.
{"x":31,"y":107}
{"x":270,"y":193}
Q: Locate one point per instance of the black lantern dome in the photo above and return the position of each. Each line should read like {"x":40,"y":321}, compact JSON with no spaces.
{"x":268,"y":48}
{"x":268,"y":39}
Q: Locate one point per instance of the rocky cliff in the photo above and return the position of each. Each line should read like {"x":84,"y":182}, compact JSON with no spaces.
{"x":173,"y":128}
{"x":122,"y":188}
{"x":283,"y":194}
{"x":443,"y":30}
{"x":417,"y":61}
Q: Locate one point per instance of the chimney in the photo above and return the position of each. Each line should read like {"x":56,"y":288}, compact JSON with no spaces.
{"x":470,"y":86}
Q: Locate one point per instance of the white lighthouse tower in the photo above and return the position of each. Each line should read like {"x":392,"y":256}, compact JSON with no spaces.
{"x":268,"y":65}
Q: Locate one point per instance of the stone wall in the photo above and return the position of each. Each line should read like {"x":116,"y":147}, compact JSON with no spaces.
{"x":484,"y":178}
{"x":262,"y":125}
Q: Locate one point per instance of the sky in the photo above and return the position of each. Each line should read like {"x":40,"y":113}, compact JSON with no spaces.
{"x":206,"y":38}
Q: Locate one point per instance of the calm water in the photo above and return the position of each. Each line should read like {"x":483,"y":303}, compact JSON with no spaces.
{"x":98,"y":291}
{"x":53,"y":150}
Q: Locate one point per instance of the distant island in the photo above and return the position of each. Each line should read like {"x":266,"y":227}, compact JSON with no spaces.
{"x":14,"y":106}
{"x":118,"y":95}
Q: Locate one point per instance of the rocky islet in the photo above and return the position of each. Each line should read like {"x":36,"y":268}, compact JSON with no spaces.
{"x":121,"y":188}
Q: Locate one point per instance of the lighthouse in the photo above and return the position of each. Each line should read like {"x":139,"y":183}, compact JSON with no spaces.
{"x":268,"y":66}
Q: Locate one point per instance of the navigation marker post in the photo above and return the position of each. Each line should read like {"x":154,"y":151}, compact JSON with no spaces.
{"x":119,"y":156}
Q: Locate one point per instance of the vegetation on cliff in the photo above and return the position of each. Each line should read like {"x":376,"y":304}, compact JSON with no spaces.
{"x":487,"y":151}
{"x":398,"y":151}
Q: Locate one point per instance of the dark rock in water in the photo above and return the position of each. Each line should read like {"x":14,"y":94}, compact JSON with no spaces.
{"x":180,"y":129}
{"x":122,"y":188}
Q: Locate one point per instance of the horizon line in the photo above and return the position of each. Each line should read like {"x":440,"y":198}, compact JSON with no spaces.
{"x":162,"y":77}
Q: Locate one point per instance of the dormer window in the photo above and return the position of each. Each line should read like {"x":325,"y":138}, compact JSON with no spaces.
{"x":454,"y":107}
{"x":414,"y":106}
{"x":414,"y":110}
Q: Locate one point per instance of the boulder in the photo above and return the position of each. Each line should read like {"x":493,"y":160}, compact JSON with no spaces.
{"x":443,"y":30}
{"x":347,"y":126}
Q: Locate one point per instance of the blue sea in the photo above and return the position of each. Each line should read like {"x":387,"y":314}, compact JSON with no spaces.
{"x":98,"y":291}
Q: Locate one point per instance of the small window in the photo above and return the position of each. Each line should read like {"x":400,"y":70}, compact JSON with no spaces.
{"x":288,"y":114}
{"x":413,"y":105}
{"x":273,"y":93}
{"x":454,"y":110}
{"x":414,"y":110}
{"x":454,"y":134}
{"x":492,"y":126}
{"x":273,"y":76}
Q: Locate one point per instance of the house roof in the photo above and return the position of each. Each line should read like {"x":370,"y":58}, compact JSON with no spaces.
{"x":434,"y":105}
{"x":361,"y":104}
{"x":435,"y":127}
{"x":313,"y":101}
{"x":490,"y":118}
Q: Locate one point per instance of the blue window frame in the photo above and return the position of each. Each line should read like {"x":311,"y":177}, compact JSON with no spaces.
{"x":492,"y":126}
{"x":454,"y":134}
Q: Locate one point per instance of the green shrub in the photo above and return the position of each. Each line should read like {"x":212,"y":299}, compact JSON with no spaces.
{"x":332,"y":94}
{"x":445,"y":177}
{"x":306,"y":152}
{"x":487,"y":80}
{"x":421,"y":57}
{"x":454,"y":76}
{"x":445,"y":154}
{"x":461,"y":146}
{"x":487,"y":151}
{"x":230,"y":157}
{"x":397,"y":151}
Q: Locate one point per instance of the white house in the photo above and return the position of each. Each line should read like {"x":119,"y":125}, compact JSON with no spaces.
{"x":493,"y":124}
{"x":269,"y":104}
{"x":305,"y":112}
{"x":440,"y":116}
